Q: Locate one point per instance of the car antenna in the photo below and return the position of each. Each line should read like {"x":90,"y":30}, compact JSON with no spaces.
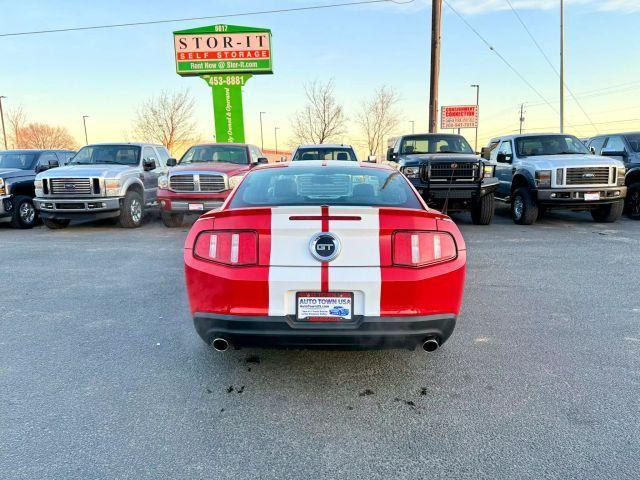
{"x":446,"y":199}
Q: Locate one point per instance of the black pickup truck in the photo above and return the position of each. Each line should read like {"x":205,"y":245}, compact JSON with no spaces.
{"x":447,"y":173}
{"x":18,"y":169}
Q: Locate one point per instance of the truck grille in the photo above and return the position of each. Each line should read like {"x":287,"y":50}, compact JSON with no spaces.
{"x":452,"y":172}
{"x":197,"y":183}
{"x":588,"y":176}
{"x":71,"y":186}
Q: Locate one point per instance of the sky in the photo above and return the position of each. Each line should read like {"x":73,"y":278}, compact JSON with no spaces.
{"x":107,"y":74}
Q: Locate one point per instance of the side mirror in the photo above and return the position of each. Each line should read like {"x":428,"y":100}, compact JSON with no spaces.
{"x":43,"y":168}
{"x":263,"y":160}
{"x":172,"y":162}
{"x":504,"y":158}
{"x":372,"y":159}
{"x":614,"y":153}
{"x":485,"y":152}
{"x":392,"y":156}
{"x":149,"y":164}
{"x":592,"y":150}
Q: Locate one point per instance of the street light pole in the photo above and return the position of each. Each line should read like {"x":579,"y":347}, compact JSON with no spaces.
{"x":477,"y":87}
{"x":84,"y":120}
{"x":261,"y":136}
{"x":275,"y":133}
{"x":4,"y":132}
{"x":436,"y":15}
{"x":561,"y":66}
{"x":413,"y":126}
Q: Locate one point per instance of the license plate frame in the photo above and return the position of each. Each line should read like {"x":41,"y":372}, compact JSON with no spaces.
{"x":591,"y":196}
{"x":322,"y":314}
{"x":196,"y":207}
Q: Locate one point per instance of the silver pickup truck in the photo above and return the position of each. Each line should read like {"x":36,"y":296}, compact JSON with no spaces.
{"x":110,"y":180}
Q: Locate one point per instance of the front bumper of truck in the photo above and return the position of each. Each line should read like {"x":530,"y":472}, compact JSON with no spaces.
{"x":198,"y":202}
{"x":461,"y":191}
{"x":575,"y":197}
{"x":78,"y":208}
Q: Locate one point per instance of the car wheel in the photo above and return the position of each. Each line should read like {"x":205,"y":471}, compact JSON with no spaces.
{"x":56,"y":224}
{"x":523,"y":207}
{"x":132,"y":210}
{"x":482,"y":210}
{"x":172,"y":220}
{"x":24,"y":213}
{"x":608,"y":213}
{"x":633,"y":201}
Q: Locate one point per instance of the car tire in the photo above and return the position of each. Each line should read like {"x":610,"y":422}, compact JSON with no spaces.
{"x":24,"y":213}
{"x":633,"y":201}
{"x":524,"y":209}
{"x":56,"y":224}
{"x":482,"y":210}
{"x":132,"y":210}
{"x":172,"y":220}
{"x":608,"y":213}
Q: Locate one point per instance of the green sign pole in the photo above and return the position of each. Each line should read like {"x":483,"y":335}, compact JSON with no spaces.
{"x":227,"y":106}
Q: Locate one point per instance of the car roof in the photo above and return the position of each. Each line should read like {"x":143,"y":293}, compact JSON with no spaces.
{"x":325,"y":163}
{"x":37,"y":150}
{"x":326,"y":145}
{"x":135,"y":144}
{"x":520,"y":135}
{"x":212,"y":144}
{"x":431,"y":135}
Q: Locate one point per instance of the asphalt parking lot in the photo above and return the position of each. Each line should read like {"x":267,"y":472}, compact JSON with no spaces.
{"x":103,"y":376}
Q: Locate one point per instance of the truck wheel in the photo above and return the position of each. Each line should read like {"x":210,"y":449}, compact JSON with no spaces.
{"x":523,"y":208}
{"x":132,"y":210}
{"x":633,"y":201}
{"x":55,"y":224}
{"x":608,"y":213}
{"x":24,"y":213}
{"x":172,"y":220}
{"x":482,"y":210}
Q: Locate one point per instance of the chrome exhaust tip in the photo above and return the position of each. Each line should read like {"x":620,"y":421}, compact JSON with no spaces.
{"x":220,"y":345}
{"x":430,"y":345}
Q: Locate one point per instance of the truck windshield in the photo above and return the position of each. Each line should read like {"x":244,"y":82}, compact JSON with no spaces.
{"x":550,"y":145}
{"x":422,"y":144}
{"x":315,"y":185}
{"x":107,"y":154}
{"x":22,"y":161}
{"x":215,"y":153}
{"x":634,"y":141}
{"x":325,"y":153}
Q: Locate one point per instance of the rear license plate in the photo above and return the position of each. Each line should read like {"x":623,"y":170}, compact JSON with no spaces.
{"x":324,"y":307}
{"x":196,"y":207}
{"x":590,"y":197}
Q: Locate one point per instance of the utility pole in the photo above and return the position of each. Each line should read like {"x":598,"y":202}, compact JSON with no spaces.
{"x":436,"y":21}
{"x":275,"y":133}
{"x":561,"y":66}
{"x":4,"y":132}
{"x":261,"y":137}
{"x":413,"y":126}
{"x":521,"y":117}
{"x":477,"y":87}
{"x":84,"y":120}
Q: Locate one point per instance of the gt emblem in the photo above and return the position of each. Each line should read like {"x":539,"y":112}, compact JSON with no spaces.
{"x":324,"y":246}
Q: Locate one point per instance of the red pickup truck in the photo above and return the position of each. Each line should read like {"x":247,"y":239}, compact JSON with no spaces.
{"x":203,"y":178}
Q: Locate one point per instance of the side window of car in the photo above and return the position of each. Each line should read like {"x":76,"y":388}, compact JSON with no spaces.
{"x":149,"y":154}
{"x":596,"y":144}
{"x":163,"y":156}
{"x":489,"y":152}
{"x":47,"y":157}
{"x":255,"y":153}
{"x":615,"y":144}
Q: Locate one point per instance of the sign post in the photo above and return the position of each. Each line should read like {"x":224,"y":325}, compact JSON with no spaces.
{"x":459,"y":116}
{"x":225,"y":57}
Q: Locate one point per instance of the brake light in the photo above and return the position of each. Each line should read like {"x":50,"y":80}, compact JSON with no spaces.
{"x":230,"y":247}
{"x":419,"y":249}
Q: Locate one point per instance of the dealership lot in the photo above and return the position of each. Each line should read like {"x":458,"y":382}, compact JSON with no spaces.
{"x":103,"y":376}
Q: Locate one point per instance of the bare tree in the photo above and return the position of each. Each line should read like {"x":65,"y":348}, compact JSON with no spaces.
{"x":378,"y":116}
{"x":166,"y":119}
{"x":40,"y":135}
{"x":322,"y":118}
{"x":16,"y":121}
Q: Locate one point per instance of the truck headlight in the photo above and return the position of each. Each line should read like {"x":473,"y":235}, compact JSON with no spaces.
{"x":3,"y":189}
{"x":489,"y":171}
{"x":37,"y":184}
{"x":621,"y":176}
{"x":235,"y":181}
{"x":112,"y":187}
{"x":543,"y":178}
{"x":163,"y":182}
{"x":411,"y":172}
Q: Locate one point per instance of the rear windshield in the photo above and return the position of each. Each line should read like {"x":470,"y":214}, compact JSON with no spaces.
{"x":22,"y":161}
{"x":107,"y":155}
{"x":325,"y":186}
{"x":216,"y":153}
{"x":328,"y":153}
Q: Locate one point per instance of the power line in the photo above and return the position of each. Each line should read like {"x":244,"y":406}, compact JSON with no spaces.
{"x":504,"y":60}
{"x":601,"y":92}
{"x":210,"y":17}
{"x":515,"y":12}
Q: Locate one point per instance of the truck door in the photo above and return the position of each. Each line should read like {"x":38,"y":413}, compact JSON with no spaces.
{"x":150,"y":177}
{"x":504,"y":167}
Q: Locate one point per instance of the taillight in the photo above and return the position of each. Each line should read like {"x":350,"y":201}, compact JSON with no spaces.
{"x":419,"y":249}
{"x":230,"y":247}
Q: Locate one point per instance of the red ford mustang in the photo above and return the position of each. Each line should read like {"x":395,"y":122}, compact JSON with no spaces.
{"x":327,"y":254}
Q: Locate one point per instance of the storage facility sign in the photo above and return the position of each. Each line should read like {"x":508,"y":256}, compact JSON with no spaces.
{"x":459,"y":116}
{"x":222,"y":49}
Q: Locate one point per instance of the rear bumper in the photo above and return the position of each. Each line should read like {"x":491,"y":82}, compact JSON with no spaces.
{"x":364,"y":332}
{"x":574,"y":197}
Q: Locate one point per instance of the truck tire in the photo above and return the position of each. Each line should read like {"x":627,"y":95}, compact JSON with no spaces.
{"x":56,"y":224}
{"x":172,"y":220}
{"x":132,"y":210}
{"x":608,"y":213}
{"x":24,"y":213}
{"x":633,"y":201}
{"x":482,"y":210}
{"x":524,"y":209}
